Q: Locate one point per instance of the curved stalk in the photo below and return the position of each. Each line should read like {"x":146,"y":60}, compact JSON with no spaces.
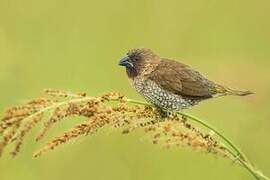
{"x":232,"y":149}
{"x":238,"y":154}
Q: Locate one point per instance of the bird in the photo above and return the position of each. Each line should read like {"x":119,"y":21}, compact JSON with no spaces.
{"x":169,"y":84}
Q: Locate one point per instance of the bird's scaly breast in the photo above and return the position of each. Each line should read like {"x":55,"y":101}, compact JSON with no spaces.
{"x":160,"y":97}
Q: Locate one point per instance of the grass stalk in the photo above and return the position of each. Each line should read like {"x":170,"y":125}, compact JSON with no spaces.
{"x":240,"y":157}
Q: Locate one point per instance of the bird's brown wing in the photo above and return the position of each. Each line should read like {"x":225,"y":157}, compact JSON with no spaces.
{"x":180,"y":79}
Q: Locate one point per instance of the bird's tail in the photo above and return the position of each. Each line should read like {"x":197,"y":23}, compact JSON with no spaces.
{"x":238,"y":92}
{"x":229,"y":91}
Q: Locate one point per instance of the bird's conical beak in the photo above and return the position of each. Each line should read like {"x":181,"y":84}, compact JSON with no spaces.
{"x":125,"y":61}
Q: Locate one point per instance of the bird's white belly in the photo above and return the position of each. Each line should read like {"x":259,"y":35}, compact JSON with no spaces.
{"x":159,"y":97}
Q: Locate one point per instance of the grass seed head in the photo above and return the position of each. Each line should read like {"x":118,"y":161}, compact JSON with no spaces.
{"x":109,"y":109}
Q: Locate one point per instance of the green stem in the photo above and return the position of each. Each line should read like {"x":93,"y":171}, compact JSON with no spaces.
{"x":198,"y":120}
{"x":240,"y":156}
{"x":242,"y":159}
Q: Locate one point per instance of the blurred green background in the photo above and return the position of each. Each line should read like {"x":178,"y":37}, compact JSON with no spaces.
{"x":76,"y":45}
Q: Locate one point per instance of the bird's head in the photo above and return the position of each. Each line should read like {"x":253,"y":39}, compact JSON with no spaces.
{"x":139,"y":61}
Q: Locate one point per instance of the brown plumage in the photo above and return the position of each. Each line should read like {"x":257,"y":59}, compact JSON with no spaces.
{"x":169,"y":84}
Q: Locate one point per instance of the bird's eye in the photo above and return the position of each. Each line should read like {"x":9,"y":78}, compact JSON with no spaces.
{"x":135,"y":57}
{"x":132,"y":58}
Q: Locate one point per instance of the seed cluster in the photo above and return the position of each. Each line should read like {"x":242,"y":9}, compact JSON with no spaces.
{"x":110,"y":109}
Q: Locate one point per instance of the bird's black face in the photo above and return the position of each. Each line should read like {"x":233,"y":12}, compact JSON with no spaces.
{"x":127,"y":62}
{"x":133,"y":62}
{"x":133,"y":58}
{"x":137,"y":61}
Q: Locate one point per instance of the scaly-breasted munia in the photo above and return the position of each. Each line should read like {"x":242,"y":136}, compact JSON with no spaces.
{"x":169,"y":84}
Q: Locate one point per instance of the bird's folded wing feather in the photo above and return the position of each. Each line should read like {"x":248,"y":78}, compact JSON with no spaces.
{"x":181,"y":79}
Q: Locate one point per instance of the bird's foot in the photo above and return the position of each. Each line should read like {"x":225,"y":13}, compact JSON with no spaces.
{"x":163,"y":114}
